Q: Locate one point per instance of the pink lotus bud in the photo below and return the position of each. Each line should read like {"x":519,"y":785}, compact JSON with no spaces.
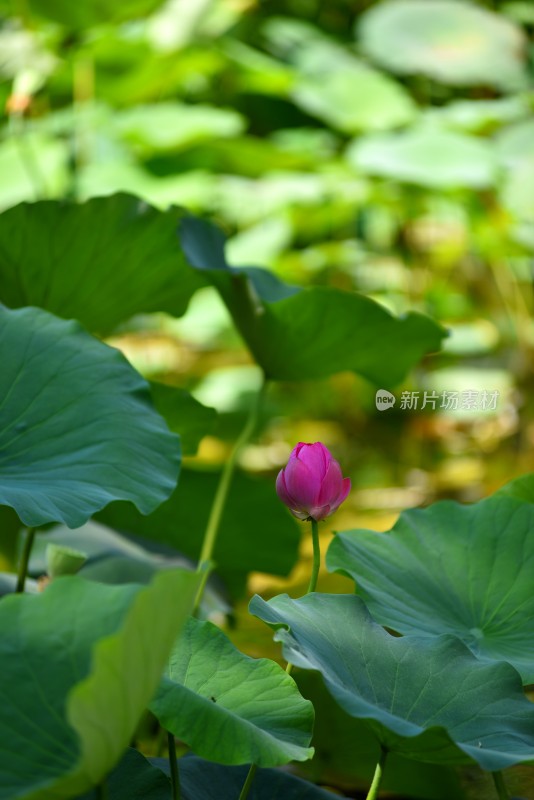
{"x":312,"y":484}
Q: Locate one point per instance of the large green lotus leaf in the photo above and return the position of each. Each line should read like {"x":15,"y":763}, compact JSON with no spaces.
{"x":347,"y":750}
{"x":79,"y":16}
{"x":202,"y":780}
{"x":300,"y":335}
{"x":425,"y":698}
{"x":183,"y":414}
{"x":80,"y":663}
{"x":76,"y":427}
{"x":230,"y":708}
{"x":453,"y":42}
{"x":427,"y":156}
{"x":100,"y":262}
{"x":449,"y":568}
{"x":256,"y":531}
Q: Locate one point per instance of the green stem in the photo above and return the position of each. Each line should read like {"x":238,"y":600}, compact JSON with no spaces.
{"x":25,"y":558}
{"x":219,"y":501}
{"x":379,"y":771}
{"x":248,"y":782}
{"x":175,"y":778}
{"x":315,"y":568}
{"x":500,"y":785}
{"x":316,"y":556}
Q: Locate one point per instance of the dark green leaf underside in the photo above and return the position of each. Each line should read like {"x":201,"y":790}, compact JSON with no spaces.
{"x":428,"y":699}
{"x":313,"y":333}
{"x":100,"y":262}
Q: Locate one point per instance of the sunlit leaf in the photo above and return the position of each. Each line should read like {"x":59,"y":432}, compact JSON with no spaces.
{"x":425,"y":698}
{"x":75,"y":684}
{"x":231,"y":708}
{"x":355,"y":99}
{"x":449,"y":568}
{"x":76,"y":426}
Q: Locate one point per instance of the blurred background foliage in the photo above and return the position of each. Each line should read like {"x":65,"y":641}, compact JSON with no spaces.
{"x":383,"y":147}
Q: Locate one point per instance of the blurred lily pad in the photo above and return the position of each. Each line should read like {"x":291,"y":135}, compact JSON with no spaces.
{"x":194,"y":189}
{"x":427,"y":156}
{"x":467,"y":393}
{"x":471,"y":338}
{"x":359,"y":99}
{"x":453,"y":42}
{"x":173,"y":126}
{"x":481,"y":116}
{"x":32,"y":165}
{"x":515,"y":148}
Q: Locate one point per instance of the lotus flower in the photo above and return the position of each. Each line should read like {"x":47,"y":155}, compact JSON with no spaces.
{"x":311,"y":484}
